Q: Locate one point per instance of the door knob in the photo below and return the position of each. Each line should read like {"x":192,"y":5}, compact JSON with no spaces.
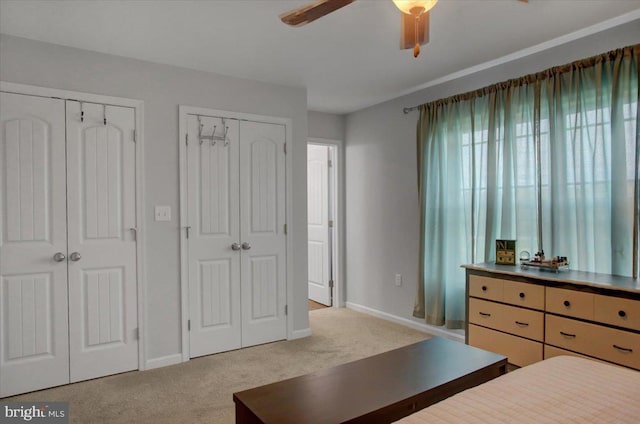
{"x":59,"y":257}
{"x":246,"y":246}
{"x":235,"y":246}
{"x":75,"y":256}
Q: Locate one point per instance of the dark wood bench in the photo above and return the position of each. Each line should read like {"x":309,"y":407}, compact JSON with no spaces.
{"x":379,"y":389}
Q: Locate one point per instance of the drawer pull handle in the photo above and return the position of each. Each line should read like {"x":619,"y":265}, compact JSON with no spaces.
{"x":484,"y":314}
{"x":566,"y":303}
{"x":484,"y":288}
{"x":622,"y":314}
{"x":522,"y":324}
{"x":623,"y":349}
{"x":521,"y":295}
{"x":571,"y":336}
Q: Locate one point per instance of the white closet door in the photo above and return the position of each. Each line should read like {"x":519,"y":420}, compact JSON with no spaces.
{"x":102,"y":240}
{"x":33,"y":291}
{"x":318,"y":223}
{"x":214,"y":266}
{"x":262,"y":219}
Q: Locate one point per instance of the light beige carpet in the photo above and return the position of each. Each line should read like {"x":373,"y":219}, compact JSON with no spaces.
{"x":200,"y":391}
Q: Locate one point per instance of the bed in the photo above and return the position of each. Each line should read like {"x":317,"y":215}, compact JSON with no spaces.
{"x":562,"y":389}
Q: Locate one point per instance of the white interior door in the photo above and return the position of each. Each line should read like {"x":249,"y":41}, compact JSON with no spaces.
{"x":214,"y":218}
{"x":263,"y":215}
{"x":102,"y":240}
{"x":318,"y":223}
{"x":33,"y":291}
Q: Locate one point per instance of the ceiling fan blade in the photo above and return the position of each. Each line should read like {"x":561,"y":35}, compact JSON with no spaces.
{"x":408,"y":30}
{"x":313,"y":11}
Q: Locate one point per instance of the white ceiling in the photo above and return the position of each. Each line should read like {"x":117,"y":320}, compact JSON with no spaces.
{"x":347,"y":60}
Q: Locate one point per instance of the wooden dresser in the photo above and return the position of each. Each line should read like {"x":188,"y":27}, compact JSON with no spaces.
{"x":529,"y":315}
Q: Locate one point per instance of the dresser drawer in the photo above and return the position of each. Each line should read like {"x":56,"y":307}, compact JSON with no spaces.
{"x":570,"y":302}
{"x":551,"y":351}
{"x":510,"y":319}
{"x":521,"y":352}
{"x":486,"y":287}
{"x":612,"y":345}
{"x":616,"y":311}
{"x":523,"y":294}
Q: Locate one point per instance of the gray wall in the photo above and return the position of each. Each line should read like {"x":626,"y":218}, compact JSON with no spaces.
{"x":163,"y":88}
{"x":325,"y":125}
{"x":381,"y":189}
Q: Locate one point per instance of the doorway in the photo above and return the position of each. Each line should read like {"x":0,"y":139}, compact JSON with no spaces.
{"x":70,"y":253}
{"x":322,"y":220}
{"x":234,"y":229}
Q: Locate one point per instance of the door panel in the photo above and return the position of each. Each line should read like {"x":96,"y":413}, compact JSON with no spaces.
{"x":33,"y":290}
{"x":264,"y":287}
{"x":318,"y":223}
{"x":262,"y":208}
{"x":102,"y":219}
{"x":214,"y":267}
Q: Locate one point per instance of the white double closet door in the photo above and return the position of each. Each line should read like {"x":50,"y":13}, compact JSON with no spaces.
{"x":236,"y":245}
{"x":68,"y":303}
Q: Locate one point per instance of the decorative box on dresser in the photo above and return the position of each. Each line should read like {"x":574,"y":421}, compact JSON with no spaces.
{"x":529,"y":314}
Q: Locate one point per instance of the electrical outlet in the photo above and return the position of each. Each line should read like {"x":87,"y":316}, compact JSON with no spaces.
{"x":163,"y":213}
{"x":398,"y":280}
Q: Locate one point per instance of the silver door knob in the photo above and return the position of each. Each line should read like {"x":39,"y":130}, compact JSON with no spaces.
{"x":246,"y":246}
{"x":235,"y":246}
{"x":75,"y":256}
{"x":59,"y":257}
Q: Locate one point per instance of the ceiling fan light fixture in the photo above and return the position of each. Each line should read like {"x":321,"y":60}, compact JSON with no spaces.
{"x":414,"y":7}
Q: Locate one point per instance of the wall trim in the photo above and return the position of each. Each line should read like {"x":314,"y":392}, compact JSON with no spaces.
{"x":558,"y":41}
{"x":163,"y":361}
{"x":299,"y":334}
{"x":138,"y":106}
{"x":425,"y":328}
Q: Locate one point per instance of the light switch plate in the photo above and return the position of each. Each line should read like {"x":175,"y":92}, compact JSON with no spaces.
{"x":398,"y":280}
{"x":163,"y":213}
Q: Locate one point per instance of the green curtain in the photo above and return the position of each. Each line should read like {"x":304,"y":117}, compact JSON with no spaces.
{"x":550,"y":160}
{"x":589,"y":154}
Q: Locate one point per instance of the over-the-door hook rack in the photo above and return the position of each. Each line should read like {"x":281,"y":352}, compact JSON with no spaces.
{"x":213,"y":137}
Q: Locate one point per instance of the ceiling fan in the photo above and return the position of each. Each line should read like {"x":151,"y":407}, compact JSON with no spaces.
{"x":414,"y":27}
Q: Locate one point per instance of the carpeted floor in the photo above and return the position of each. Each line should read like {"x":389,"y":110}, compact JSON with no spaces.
{"x":200,"y":391}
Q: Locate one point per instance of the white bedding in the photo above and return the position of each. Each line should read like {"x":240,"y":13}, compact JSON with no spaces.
{"x":562,"y":389}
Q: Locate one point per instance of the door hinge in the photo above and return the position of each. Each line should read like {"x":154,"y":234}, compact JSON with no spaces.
{"x":189,"y":325}
{"x":286,"y":309}
{"x":186,"y":139}
{"x":285,"y":148}
{"x":330,"y":284}
{"x":331,"y":223}
{"x":133,"y":135}
{"x":285,"y":228}
{"x":136,"y":334}
{"x":187,"y":228}
{"x":330,"y":163}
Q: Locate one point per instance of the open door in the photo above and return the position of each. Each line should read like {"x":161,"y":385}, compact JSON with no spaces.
{"x":319,"y":222}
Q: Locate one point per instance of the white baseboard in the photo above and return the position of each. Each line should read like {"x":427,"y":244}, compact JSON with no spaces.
{"x":425,"y":328}
{"x":299,"y":334}
{"x":163,"y":361}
